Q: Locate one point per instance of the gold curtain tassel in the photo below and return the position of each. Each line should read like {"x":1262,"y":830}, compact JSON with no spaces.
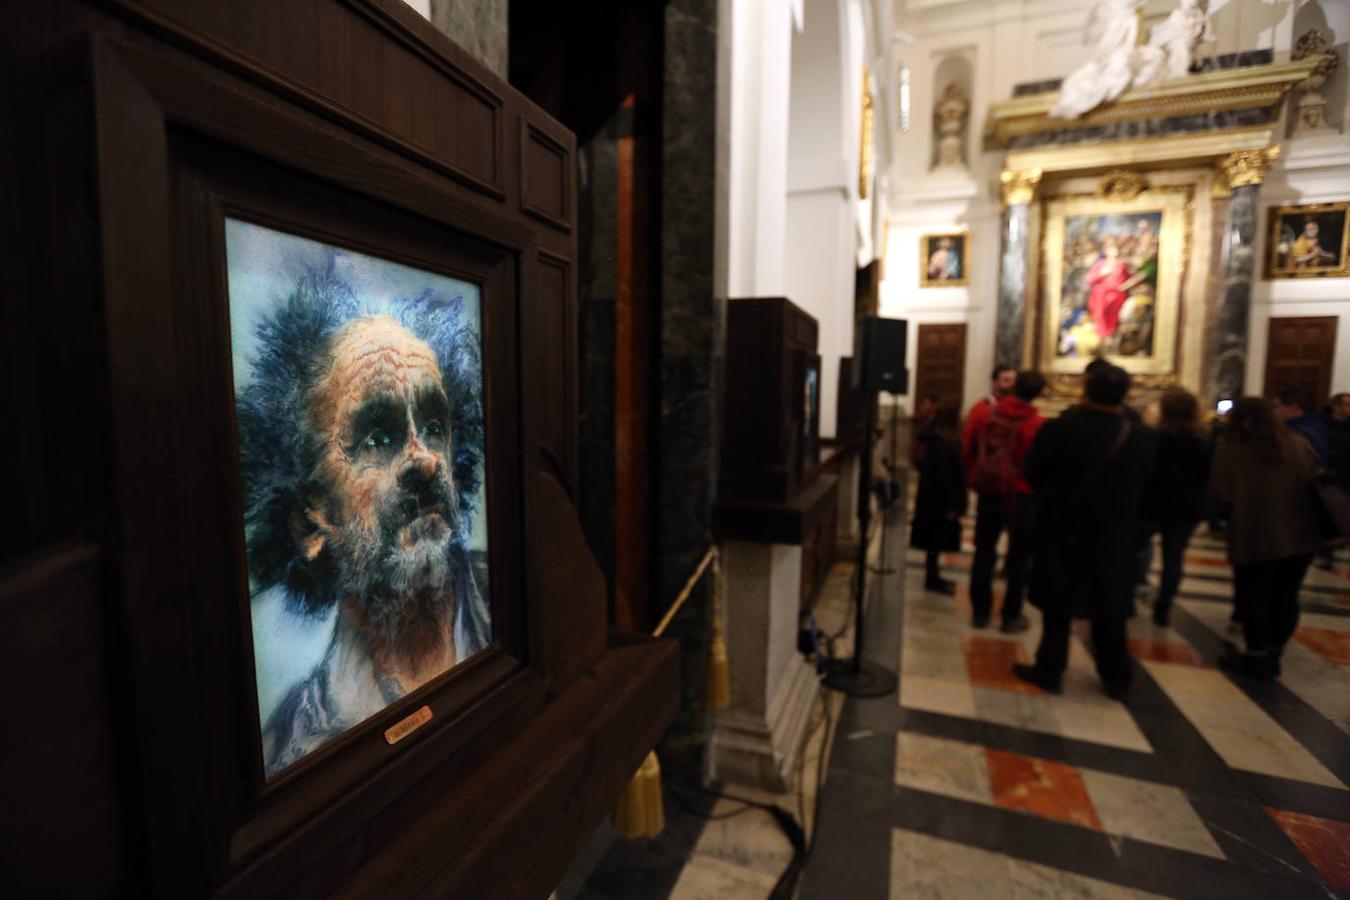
{"x":639,"y":812}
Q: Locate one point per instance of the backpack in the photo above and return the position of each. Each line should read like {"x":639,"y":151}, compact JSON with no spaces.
{"x":995,"y":472}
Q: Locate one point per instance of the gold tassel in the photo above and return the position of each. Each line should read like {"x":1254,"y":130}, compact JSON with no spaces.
{"x":719,"y":667}
{"x":639,"y":812}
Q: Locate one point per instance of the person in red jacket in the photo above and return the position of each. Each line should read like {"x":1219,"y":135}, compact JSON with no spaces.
{"x":1000,"y":385}
{"x":997,"y":450}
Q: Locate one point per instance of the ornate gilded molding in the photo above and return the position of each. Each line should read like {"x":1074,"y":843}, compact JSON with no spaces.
{"x":1019,"y":187}
{"x":1245,"y":167}
{"x":865,"y":138}
{"x":1139,"y":153}
{"x":1251,"y":87}
{"x":1121,"y":185}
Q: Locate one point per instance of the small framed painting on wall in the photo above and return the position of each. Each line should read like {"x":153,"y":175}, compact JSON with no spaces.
{"x":943,"y":259}
{"x":1309,"y":241}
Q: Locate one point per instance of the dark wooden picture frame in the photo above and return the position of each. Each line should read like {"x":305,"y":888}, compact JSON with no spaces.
{"x":143,"y":124}
{"x":178,"y":152}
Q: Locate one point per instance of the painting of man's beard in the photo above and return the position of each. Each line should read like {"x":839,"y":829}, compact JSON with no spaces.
{"x":397,"y":561}
{"x":359,"y":401}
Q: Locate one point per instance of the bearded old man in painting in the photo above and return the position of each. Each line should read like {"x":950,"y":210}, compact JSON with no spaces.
{"x":359,"y":510}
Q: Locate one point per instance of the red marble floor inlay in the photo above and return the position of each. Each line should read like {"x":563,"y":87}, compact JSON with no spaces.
{"x":1330,"y":645}
{"x":1167,"y":652}
{"x":961,"y":600}
{"x":1048,"y":789}
{"x":957,"y":560}
{"x":1212,"y":562}
{"x":1325,"y":842}
{"x":989,"y":662}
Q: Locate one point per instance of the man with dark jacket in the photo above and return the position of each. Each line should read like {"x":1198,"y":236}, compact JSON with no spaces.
{"x":994,"y":460}
{"x":1337,"y":421}
{"x":1294,"y":407}
{"x":1087,"y":470}
{"x":1336,"y":418}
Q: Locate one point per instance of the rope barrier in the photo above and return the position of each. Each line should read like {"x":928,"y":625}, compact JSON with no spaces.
{"x":640,"y":812}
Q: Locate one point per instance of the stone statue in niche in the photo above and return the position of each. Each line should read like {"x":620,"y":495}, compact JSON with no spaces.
{"x":1312,"y":106}
{"x":951,"y":121}
{"x":1119,"y":61}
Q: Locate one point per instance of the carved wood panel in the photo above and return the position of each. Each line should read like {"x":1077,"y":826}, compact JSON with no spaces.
{"x":940,"y":368}
{"x":1300,"y":352}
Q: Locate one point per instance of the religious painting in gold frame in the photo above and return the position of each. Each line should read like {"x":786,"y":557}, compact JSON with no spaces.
{"x":1112,"y":267}
{"x":943,"y":259}
{"x":1309,"y":241}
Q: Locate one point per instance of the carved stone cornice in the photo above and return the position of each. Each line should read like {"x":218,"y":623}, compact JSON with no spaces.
{"x":1251,"y":87}
{"x":1018,"y":187}
{"x":1245,"y":167}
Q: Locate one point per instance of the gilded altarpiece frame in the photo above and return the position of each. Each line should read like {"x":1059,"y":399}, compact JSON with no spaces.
{"x":1104,"y":290}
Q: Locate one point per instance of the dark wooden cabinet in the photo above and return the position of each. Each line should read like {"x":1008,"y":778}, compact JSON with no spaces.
{"x":135,"y":769}
{"x":772,"y":487}
{"x":770,"y":439}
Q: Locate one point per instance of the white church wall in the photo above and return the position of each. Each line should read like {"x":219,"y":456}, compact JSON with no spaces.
{"x":828,"y":55}
{"x":1312,"y":170}
{"x":760,"y":80}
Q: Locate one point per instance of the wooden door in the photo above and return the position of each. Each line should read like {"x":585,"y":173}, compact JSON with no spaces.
{"x":1299,"y":353}
{"x":940,"y":369}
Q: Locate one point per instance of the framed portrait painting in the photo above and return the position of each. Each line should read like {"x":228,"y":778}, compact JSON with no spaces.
{"x":1309,"y":241}
{"x":359,"y":397}
{"x":943,"y":259}
{"x":1112,"y":275}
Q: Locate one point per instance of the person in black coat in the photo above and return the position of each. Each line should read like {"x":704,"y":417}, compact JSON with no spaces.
{"x":1174,"y":500}
{"x":1088,"y":469}
{"x":941,"y":498}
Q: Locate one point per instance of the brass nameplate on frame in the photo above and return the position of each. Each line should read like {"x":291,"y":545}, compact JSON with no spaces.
{"x":398,"y":731}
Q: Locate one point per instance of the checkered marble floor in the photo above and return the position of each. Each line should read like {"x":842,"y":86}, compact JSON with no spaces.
{"x":1203,"y":784}
{"x":970,"y":783}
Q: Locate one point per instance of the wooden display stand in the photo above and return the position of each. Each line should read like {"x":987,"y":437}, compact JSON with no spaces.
{"x":775,"y":519}
{"x":135,"y":769}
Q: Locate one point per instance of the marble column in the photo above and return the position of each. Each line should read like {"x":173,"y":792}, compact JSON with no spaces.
{"x":694,"y":162}
{"x":1018,"y":189}
{"x":479,"y":26}
{"x":1242,"y":172}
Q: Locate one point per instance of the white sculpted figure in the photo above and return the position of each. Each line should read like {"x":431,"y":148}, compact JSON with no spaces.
{"x":1112,"y":31}
{"x":1117,"y":63}
{"x":1172,"y":42}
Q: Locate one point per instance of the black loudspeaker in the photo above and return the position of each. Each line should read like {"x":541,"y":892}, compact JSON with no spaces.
{"x":883,"y":355}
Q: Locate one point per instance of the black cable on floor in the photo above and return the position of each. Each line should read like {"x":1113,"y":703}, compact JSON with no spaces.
{"x":792,"y":829}
{"x":746,"y":805}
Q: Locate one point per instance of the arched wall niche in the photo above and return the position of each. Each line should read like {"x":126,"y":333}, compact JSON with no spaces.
{"x":957,"y":67}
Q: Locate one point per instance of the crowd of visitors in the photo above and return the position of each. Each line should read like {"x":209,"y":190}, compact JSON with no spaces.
{"x":1082,"y":496}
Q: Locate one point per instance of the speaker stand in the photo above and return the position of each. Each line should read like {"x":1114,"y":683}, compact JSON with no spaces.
{"x":865,"y":680}
{"x":882,"y":568}
{"x":856,"y":677}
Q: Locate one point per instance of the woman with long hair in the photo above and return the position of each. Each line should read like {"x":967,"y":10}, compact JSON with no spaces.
{"x":941,"y":499}
{"x":1174,"y":500}
{"x":1263,"y":483}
